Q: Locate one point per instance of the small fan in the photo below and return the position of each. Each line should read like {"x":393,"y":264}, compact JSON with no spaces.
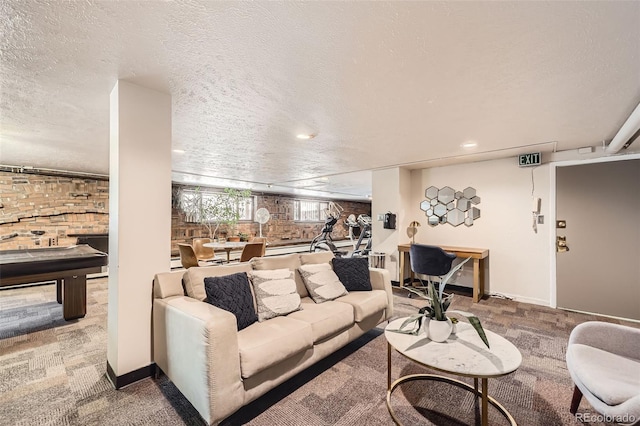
{"x":262,"y":216}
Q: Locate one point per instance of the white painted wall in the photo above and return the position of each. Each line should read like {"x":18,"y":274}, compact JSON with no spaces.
{"x":519,"y":259}
{"x":391,"y":193}
{"x":139,"y":220}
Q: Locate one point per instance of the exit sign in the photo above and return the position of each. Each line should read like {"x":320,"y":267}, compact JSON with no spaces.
{"x":533,"y":159}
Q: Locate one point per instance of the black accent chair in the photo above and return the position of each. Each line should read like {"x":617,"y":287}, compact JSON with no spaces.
{"x":431,"y":261}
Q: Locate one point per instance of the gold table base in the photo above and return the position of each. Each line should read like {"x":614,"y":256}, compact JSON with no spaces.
{"x":474,"y":389}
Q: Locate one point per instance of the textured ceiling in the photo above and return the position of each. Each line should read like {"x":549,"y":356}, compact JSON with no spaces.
{"x":380,"y":83}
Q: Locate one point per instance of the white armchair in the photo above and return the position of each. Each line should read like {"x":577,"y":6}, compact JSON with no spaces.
{"x":604,"y":362}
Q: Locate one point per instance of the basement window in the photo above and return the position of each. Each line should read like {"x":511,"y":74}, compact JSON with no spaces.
{"x":191,"y":202}
{"x":309,"y":211}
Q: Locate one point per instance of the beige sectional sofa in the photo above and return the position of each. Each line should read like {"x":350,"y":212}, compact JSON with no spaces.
{"x":220,"y":369}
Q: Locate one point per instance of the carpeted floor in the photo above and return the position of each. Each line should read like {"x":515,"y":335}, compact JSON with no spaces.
{"x":52,"y":372}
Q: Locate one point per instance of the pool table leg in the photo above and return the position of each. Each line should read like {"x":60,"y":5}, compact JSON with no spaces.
{"x":59,"y":290}
{"x":74,"y":300}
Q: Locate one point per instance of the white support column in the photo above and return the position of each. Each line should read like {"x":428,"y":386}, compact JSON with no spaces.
{"x":391,"y":193}
{"x":139,"y":223}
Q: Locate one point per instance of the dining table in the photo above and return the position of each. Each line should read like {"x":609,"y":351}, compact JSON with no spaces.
{"x":227,"y":246}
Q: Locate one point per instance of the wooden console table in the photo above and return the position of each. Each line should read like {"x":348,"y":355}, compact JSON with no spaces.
{"x":477,"y":254}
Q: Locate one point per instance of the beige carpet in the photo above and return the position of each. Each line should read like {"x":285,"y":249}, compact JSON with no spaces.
{"x":52,"y":372}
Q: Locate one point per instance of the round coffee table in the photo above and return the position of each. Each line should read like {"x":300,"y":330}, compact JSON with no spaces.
{"x":463,"y":354}
{"x":226,"y":246}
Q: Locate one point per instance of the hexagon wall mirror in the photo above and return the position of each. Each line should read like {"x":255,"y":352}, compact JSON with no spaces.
{"x":446,"y":205}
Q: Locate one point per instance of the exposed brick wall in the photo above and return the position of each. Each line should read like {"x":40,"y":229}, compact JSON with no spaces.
{"x":281,"y":228}
{"x":56,"y":206}
{"x":60,"y":206}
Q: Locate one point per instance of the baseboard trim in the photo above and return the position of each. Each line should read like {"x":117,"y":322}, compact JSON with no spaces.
{"x":457,"y":288}
{"x":131,"y":377}
{"x":600,"y":315}
{"x":460,"y":289}
{"x":407,"y":281}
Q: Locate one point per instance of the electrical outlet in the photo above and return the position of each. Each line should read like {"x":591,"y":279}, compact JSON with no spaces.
{"x":541,"y":219}
{"x":53,"y":241}
{"x":381,"y":217}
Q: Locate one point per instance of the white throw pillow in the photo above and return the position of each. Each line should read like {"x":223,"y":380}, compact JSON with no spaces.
{"x":321,"y":282}
{"x":275,"y":292}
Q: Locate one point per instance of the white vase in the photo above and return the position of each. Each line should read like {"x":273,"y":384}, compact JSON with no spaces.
{"x":424,"y":327}
{"x":439,"y":331}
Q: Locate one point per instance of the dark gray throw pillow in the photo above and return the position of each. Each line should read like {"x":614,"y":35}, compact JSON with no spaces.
{"x":232,"y":293}
{"x":353,"y":273}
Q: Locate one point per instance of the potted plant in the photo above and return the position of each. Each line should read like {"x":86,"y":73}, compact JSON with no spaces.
{"x":434,"y":316}
{"x":215,"y":209}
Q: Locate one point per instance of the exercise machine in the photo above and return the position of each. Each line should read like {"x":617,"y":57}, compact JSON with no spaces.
{"x":363,"y":222}
{"x":324,"y":242}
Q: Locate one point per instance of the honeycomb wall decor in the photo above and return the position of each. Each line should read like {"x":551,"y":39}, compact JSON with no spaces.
{"x":446,"y":205}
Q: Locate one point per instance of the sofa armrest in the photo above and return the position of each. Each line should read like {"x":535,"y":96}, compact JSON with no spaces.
{"x":196,"y":345}
{"x":381,"y":280}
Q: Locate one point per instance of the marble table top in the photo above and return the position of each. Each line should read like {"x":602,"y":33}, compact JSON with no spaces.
{"x":226,"y":245}
{"x":462,"y":354}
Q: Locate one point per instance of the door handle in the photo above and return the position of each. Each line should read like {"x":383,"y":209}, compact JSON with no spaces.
{"x":561,"y":244}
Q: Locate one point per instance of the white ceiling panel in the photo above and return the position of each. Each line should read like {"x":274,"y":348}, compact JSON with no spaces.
{"x":379,"y":84}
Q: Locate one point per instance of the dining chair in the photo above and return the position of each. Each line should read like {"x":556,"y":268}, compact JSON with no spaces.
{"x":253,"y":249}
{"x":187,"y":256}
{"x":205,"y":254}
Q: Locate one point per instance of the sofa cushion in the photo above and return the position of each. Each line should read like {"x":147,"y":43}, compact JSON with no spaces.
{"x":353,"y":272}
{"x":612,"y":378}
{"x":289,"y":261}
{"x":167,"y":284}
{"x":317,"y":257}
{"x":233,"y":294}
{"x":275,"y":292}
{"x":365,"y":303}
{"x":321,"y":282}
{"x":264,"y":344}
{"x":326,"y":319}
{"x":193,"y":279}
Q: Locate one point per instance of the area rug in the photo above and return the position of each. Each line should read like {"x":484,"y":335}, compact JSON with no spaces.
{"x":52,"y":372}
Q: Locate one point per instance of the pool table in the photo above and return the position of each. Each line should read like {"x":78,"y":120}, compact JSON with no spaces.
{"x":68,"y":266}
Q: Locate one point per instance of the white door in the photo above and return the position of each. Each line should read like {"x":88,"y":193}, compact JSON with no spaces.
{"x":599,"y":204}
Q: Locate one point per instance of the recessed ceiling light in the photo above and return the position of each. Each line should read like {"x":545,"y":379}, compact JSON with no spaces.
{"x":305,"y":136}
{"x":178,"y":151}
{"x":470,"y":144}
